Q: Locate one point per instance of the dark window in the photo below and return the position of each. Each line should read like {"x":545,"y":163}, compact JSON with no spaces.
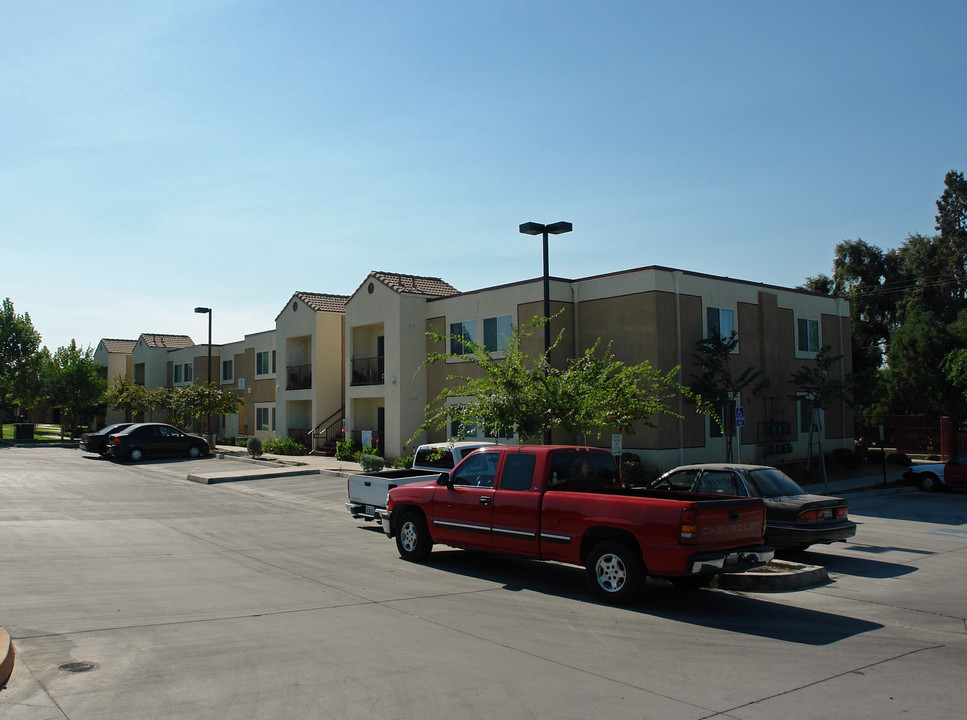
{"x":440,"y":458}
{"x":582,"y":470}
{"x":719,"y":482}
{"x":518,"y":471}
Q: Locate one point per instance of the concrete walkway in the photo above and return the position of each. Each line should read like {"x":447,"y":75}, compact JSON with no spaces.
{"x":234,"y":464}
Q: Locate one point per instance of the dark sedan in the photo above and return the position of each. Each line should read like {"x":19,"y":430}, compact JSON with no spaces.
{"x":96,"y":442}
{"x":145,"y":439}
{"x":795,"y":519}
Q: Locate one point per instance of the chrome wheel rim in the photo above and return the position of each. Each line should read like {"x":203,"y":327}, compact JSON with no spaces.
{"x":610,"y":572}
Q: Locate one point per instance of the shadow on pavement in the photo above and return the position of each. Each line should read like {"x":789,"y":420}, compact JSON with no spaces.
{"x":706,"y":608}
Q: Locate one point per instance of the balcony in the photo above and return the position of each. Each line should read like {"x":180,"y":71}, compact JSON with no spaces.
{"x":299,"y":377}
{"x":367,"y":371}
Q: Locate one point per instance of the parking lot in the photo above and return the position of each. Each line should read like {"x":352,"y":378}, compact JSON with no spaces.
{"x":266,"y":599}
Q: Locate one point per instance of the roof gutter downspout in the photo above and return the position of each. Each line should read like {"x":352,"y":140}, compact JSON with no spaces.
{"x":677,"y":276}
{"x":575,"y":300}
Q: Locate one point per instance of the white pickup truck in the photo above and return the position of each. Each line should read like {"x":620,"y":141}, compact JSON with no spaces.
{"x":368,"y":491}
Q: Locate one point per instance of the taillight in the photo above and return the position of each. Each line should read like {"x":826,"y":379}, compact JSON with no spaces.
{"x":820,"y":514}
{"x":688,"y":531}
{"x":115,"y":441}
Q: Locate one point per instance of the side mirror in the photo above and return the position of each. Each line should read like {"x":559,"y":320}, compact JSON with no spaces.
{"x":444,"y":479}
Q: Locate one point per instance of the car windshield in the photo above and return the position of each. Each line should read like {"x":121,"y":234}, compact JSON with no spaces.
{"x":770,"y":482}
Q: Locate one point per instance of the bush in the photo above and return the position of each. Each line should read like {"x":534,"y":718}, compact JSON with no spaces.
{"x":874,"y":456}
{"x":344,"y":449}
{"x":371,"y":462}
{"x":898,"y":458}
{"x":254,"y":447}
{"x":284,"y":446}
{"x":403,"y":463}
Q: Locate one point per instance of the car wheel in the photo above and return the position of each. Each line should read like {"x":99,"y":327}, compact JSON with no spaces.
{"x":929,"y":482}
{"x":194,"y":451}
{"x":615,"y":572}
{"x":135,"y":454}
{"x":413,"y":538}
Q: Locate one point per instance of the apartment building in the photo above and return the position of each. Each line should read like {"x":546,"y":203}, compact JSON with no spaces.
{"x":653,"y":313}
{"x":115,"y":358}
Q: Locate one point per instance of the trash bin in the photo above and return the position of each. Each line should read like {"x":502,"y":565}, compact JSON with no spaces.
{"x":23,"y":431}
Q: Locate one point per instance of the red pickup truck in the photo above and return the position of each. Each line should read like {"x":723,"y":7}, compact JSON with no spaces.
{"x":567,"y":504}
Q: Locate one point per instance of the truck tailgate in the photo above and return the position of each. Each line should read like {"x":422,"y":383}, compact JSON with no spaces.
{"x":730,"y":522}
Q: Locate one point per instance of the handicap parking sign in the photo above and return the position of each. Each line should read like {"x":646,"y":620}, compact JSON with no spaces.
{"x":740,"y":417}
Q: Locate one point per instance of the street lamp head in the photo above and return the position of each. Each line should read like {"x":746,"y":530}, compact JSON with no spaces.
{"x":533,"y":228}
{"x":202,"y":310}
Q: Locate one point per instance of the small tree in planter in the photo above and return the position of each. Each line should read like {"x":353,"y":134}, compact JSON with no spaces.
{"x":254,"y":447}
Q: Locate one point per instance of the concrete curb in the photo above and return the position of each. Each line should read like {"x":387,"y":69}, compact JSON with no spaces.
{"x":6,"y":657}
{"x":231,"y":476}
{"x":777,"y":576}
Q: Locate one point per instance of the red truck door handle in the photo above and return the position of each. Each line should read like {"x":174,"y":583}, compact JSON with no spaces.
{"x":486,"y":500}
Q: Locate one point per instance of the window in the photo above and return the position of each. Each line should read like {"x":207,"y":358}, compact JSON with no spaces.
{"x":720,"y":321}
{"x":262,"y":363}
{"x":228,"y":370}
{"x":807,"y":418}
{"x":717,"y":482}
{"x":262,"y":418}
{"x":460,"y":332}
{"x":808,"y":331}
{"x":717,"y":426}
{"x":189,"y":372}
{"x":469,"y":432}
{"x":182,"y":373}
{"x":518,"y":471}
{"x":178,"y":372}
{"x":497,"y":330}
{"x":477,"y":470}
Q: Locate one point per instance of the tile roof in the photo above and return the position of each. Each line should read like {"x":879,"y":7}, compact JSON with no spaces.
{"x":415,"y":284}
{"x":124,"y":347}
{"x":155,"y":340}
{"x":322,"y":302}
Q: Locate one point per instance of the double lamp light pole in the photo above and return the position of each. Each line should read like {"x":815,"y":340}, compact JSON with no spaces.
{"x":558,"y":228}
{"x":208,"y":421}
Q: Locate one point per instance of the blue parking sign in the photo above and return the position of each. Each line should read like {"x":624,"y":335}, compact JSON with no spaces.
{"x":740,"y":417}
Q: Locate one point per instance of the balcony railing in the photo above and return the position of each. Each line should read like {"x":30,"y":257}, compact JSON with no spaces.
{"x":367,"y":371}
{"x":299,"y":377}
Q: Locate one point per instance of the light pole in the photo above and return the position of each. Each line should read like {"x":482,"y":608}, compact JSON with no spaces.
{"x":208,"y":420}
{"x":558,"y":228}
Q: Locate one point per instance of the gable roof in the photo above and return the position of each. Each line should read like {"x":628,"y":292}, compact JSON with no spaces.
{"x":122,"y":347}
{"x":155,"y":340}
{"x":415,"y":284}
{"x":323,"y":302}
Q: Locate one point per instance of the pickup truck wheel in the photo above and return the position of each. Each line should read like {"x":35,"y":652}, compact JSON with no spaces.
{"x":413,"y":538}
{"x":929,"y":482}
{"x":615,"y":572}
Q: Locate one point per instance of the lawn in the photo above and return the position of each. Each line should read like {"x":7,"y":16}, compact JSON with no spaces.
{"x":42,"y":432}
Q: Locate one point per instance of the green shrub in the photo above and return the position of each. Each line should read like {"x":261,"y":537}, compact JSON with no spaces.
{"x":254,"y":447}
{"x":367,"y":450}
{"x":284,"y":446}
{"x":403,"y":463}
{"x":371,"y":462}
{"x":898,"y":458}
{"x":344,"y":449}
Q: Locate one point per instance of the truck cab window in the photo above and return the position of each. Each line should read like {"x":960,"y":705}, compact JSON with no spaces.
{"x":518,"y":471}
{"x":478,"y":470}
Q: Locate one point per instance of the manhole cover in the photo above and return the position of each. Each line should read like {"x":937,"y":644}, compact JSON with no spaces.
{"x":78,"y":667}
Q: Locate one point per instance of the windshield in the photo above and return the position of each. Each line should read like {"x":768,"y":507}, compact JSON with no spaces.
{"x":770,"y":482}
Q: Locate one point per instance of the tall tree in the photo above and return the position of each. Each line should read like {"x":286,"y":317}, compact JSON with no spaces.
{"x":18,"y":343}
{"x":524,"y":395}
{"x":134,"y":399}
{"x":952,"y":225}
{"x":76,"y":386}
{"x":189,"y":402}
{"x":720,"y":384}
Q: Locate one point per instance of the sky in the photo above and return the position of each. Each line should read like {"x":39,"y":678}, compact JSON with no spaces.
{"x":158,"y":155}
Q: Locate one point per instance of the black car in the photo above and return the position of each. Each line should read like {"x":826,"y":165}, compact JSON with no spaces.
{"x":96,"y":442}
{"x":795,"y":519}
{"x":144,"y":439}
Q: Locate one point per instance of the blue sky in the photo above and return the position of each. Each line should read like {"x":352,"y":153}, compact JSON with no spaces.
{"x":159,"y":155}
